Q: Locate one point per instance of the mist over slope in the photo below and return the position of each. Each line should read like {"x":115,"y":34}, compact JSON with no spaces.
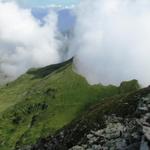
{"x":111,"y":40}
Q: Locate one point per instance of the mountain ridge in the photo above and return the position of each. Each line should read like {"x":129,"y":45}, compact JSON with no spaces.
{"x":43,"y":101}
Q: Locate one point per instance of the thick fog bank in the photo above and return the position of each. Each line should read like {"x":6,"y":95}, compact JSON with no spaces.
{"x":112,"y":41}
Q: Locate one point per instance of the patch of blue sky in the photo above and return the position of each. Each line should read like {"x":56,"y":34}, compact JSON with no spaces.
{"x":42,"y":3}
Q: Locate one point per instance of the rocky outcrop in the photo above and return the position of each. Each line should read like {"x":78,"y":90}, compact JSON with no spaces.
{"x":122,"y":133}
{"x":119,"y":134}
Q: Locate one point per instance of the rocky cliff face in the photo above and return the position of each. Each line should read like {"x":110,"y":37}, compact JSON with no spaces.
{"x":117,"y":123}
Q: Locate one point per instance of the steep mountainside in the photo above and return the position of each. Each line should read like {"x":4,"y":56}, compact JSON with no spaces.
{"x":115,"y":123}
{"x":44,"y":100}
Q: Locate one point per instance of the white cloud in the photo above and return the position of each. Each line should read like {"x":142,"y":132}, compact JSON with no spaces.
{"x":24,"y":43}
{"x":56,"y":7}
{"x":112,"y":40}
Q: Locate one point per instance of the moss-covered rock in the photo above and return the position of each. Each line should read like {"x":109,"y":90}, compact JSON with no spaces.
{"x":129,"y":86}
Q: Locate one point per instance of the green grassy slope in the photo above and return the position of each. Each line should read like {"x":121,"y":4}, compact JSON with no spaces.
{"x":43,"y":101}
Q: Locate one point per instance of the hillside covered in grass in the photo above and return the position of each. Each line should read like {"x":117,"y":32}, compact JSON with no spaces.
{"x":44,"y":100}
{"x":121,"y":122}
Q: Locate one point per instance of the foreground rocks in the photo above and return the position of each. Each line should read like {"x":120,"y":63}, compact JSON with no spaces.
{"x":119,"y":134}
{"x":122,"y":133}
{"x":125,"y":127}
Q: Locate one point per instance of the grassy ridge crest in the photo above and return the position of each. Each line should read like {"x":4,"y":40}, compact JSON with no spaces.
{"x":44,"y":100}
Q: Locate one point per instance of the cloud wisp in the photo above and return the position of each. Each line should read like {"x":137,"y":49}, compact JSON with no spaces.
{"x":24,"y":42}
{"x":112,"y":41}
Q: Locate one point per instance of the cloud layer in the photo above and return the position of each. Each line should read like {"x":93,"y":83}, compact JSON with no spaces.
{"x":24,"y":42}
{"x":112,"y":41}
